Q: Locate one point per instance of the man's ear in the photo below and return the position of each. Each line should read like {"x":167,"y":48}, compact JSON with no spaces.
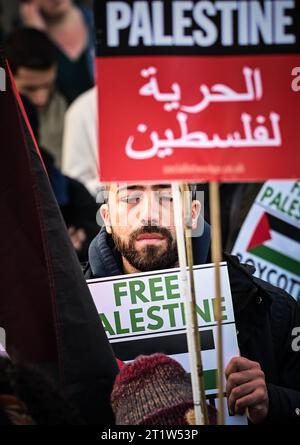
{"x":196,"y":209}
{"x":104,"y":212}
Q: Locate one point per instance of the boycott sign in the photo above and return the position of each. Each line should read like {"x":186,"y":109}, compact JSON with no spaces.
{"x":144,"y":314}
{"x":184,"y":111}
{"x":269,"y":238}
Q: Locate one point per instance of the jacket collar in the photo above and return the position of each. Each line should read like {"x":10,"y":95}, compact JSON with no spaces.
{"x":105,"y":260}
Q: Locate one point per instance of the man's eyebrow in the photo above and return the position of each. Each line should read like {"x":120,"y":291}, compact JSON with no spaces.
{"x":142,"y":187}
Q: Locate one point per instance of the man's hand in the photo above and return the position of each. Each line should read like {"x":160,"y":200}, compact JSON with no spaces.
{"x":246,"y":389}
{"x":77,"y":236}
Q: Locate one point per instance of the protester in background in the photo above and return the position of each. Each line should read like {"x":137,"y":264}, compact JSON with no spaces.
{"x":1,"y":23}
{"x":70,"y":28}
{"x":32,"y":59}
{"x":77,"y":206}
{"x":28,"y":397}
{"x":80,"y":148}
{"x":139,"y":235}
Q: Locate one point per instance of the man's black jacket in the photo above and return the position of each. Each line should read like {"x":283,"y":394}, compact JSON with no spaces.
{"x":265,"y":319}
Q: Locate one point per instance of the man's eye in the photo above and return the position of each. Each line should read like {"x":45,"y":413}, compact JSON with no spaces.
{"x":30,"y":89}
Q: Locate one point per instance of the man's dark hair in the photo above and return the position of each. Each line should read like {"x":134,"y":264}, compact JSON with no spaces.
{"x":102,"y":197}
{"x":29,"y":48}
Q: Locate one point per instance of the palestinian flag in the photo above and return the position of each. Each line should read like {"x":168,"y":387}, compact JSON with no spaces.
{"x":46,"y":308}
{"x":172,"y":344}
{"x":277,"y":242}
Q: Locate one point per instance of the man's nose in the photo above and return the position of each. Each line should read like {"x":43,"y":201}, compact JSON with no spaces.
{"x":149,"y":212}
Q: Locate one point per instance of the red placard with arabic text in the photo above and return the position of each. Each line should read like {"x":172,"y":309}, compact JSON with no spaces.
{"x":204,"y":117}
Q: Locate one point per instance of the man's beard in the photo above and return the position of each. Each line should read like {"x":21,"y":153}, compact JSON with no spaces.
{"x":149,"y":257}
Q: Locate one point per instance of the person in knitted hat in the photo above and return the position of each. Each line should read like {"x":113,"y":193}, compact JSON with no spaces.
{"x":153,"y":390}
